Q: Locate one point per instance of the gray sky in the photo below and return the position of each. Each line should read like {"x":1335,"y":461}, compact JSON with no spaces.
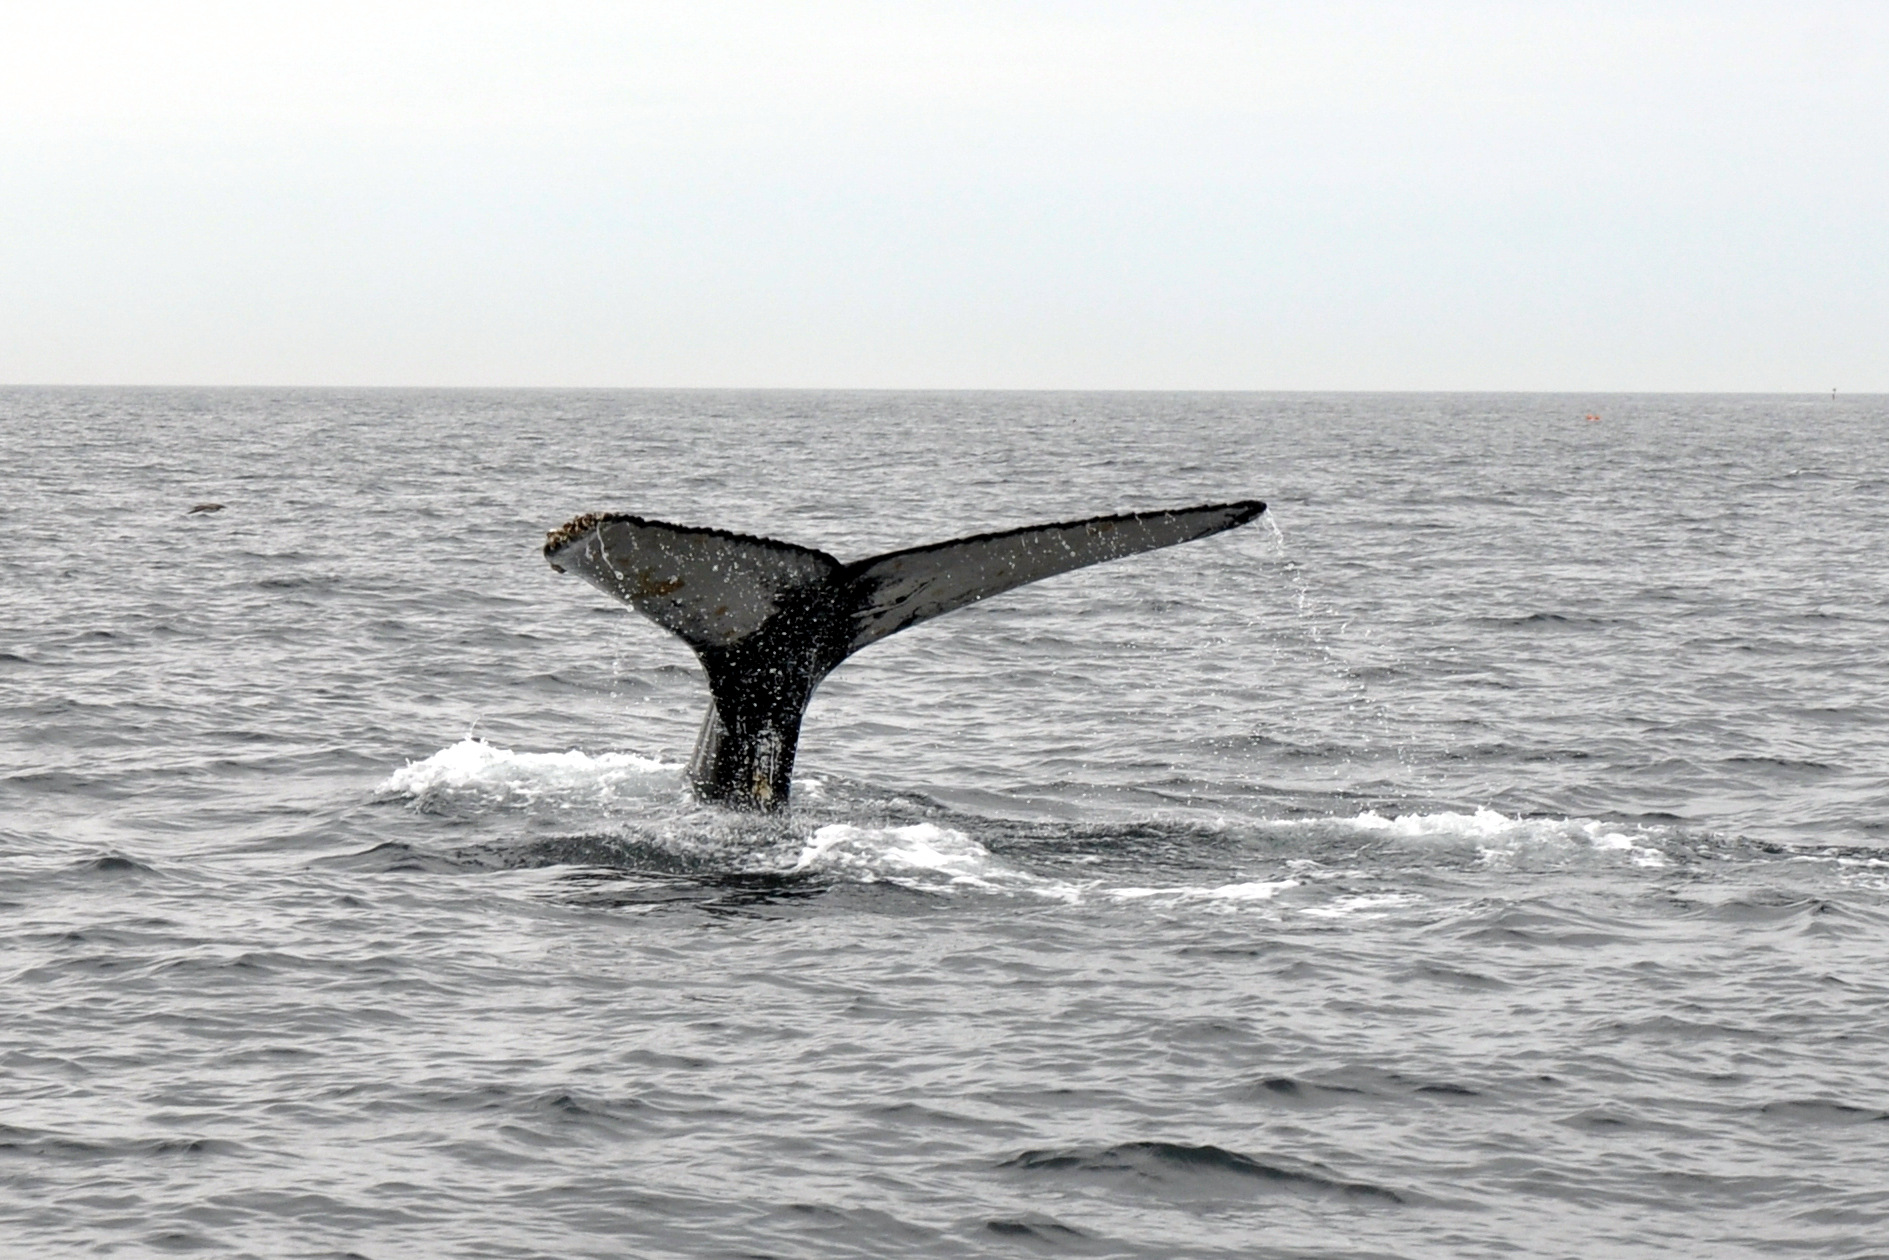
{"x":1086,"y":195}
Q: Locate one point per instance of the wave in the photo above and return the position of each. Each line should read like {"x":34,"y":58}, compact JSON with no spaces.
{"x":1173,"y":1162}
{"x":1548,"y":621}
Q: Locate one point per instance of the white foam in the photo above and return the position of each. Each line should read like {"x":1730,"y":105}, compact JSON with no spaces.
{"x":919,"y":853}
{"x":942,"y":859}
{"x":475,"y":768}
{"x":1360,"y":906}
{"x":1500,"y":838}
{"x":1254,"y":890}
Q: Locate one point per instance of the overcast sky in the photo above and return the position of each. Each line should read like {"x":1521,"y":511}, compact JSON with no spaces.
{"x":1688,"y":196}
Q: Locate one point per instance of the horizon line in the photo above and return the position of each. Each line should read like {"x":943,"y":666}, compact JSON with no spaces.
{"x":941,"y":389}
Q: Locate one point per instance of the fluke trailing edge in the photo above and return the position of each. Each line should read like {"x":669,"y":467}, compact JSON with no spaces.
{"x":769,"y":619}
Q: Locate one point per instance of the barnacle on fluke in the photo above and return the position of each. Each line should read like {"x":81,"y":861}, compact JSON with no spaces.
{"x":564,"y":534}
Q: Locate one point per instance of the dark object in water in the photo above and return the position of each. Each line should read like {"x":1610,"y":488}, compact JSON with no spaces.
{"x":769,"y":620}
{"x":204,"y":507}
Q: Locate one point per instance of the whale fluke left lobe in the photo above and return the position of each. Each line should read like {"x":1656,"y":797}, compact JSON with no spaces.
{"x":709,"y":586}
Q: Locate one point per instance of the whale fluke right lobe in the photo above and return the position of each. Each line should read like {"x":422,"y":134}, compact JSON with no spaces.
{"x":903,"y":588}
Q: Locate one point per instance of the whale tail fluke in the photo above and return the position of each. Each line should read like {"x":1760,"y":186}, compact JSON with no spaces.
{"x":769,"y":619}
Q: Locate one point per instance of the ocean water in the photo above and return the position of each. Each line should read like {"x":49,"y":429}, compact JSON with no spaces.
{"x":1486,"y":855}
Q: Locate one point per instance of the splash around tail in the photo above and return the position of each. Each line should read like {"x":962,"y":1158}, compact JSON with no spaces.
{"x":769,"y":620}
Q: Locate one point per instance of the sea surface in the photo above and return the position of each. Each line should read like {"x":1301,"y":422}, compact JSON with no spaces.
{"x":1484,"y":854}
